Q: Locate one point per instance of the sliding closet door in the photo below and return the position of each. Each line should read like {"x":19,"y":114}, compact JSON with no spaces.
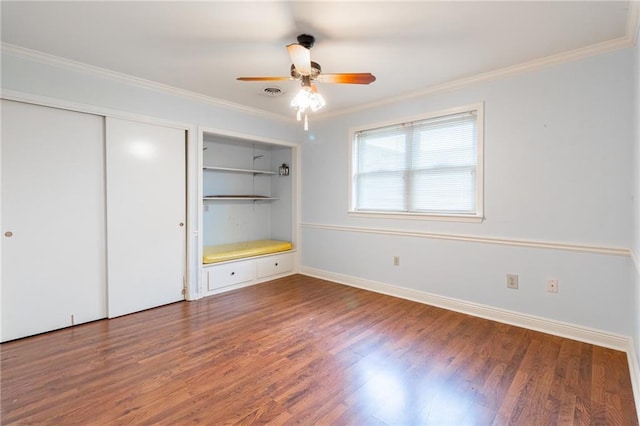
{"x":53,"y":220}
{"x":146,"y":211}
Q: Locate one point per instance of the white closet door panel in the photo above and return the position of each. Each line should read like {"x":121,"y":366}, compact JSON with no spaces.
{"x":145,"y":215}
{"x":53,"y":264}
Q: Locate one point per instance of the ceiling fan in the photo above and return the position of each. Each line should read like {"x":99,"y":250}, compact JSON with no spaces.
{"x":307,"y":71}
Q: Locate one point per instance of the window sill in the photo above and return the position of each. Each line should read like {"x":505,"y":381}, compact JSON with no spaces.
{"x":418,"y":216}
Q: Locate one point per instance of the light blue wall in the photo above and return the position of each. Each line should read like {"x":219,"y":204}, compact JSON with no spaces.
{"x":557,"y":147}
{"x":636,"y":155}
{"x":636,"y":195}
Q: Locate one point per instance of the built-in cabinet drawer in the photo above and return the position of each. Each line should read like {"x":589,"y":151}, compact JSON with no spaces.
{"x":246,"y":272}
{"x":274,"y":265}
{"x":230,"y":273}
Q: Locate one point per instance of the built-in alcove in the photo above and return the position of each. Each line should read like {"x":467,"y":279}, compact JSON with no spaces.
{"x":248,"y":230}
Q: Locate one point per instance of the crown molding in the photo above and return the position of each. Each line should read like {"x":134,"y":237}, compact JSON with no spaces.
{"x":534,"y":65}
{"x":629,"y":39}
{"x":71,"y":65}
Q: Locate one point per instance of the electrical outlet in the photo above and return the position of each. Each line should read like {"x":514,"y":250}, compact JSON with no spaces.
{"x":512,"y":281}
{"x":396,"y":260}
{"x":552,"y":286}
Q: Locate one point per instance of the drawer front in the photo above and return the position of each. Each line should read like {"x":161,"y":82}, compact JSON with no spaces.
{"x":230,"y":273}
{"x":274,"y":265}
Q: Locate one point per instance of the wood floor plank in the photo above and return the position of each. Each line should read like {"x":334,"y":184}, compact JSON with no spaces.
{"x":300,"y":350}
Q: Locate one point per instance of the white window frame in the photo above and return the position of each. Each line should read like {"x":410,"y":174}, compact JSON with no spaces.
{"x":477,"y":217}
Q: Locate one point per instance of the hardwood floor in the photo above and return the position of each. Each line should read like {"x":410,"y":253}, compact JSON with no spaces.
{"x":307,"y":351}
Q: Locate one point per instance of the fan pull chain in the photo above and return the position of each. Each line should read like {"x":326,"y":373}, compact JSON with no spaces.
{"x":306,"y":123}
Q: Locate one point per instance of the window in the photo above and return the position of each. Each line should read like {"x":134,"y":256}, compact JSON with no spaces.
{"x":429,"y":167}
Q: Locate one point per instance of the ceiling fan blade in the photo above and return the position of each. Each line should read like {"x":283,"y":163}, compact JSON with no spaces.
{"x":347,"y":78}
{"x":301,"y":58}
{"x":263,"y":78}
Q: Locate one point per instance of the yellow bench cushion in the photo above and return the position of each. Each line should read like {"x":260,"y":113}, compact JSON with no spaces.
{"x":220,"y":253}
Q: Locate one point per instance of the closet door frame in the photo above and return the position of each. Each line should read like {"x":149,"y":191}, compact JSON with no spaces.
{"x":192,"y":243}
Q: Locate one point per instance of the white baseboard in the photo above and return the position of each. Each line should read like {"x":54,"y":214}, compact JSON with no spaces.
{"x":556,"y":328}
{"x":632,"y":352}
{"x":531,"y":322}
{"x":634,"y":372}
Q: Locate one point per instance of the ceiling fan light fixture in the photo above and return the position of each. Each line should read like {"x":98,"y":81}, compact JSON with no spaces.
{"x":307,"y":71}
{"x":307,"y":99}
{"x":317,"y":101}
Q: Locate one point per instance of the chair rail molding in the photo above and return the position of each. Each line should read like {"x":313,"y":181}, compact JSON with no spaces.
{"x":585,"y":248}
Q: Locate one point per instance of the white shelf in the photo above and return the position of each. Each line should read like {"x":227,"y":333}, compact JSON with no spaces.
{"x":243,"y":197}
{"x":234,"y":170}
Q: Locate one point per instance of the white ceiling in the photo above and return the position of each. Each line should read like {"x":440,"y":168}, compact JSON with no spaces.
{"x":409,"y":46}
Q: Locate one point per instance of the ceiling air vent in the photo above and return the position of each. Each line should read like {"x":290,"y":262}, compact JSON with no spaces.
{"x":272,"y":91}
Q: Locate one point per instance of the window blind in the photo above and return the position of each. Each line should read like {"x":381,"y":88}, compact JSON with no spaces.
{"x":426,"y":166}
